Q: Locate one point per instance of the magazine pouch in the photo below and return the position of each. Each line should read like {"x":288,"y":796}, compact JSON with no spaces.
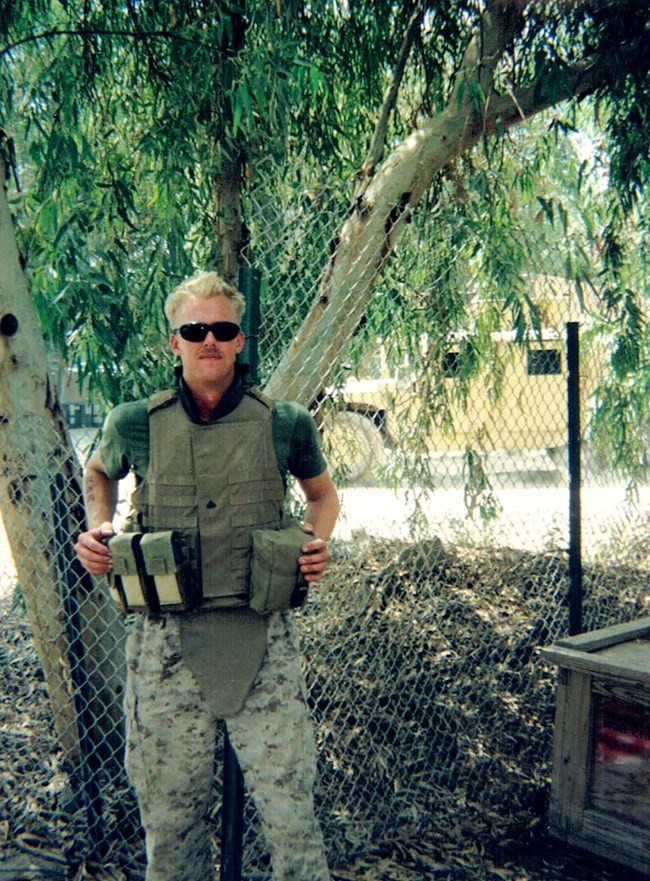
{"x":275,"y":579}
{"x":168,"y":570}
{"x":128,"y":582}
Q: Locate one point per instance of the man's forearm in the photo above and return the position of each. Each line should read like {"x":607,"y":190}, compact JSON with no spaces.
{"x":322,"y":514}
{"x":100,"y":497}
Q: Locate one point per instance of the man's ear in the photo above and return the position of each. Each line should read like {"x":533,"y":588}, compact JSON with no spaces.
{"x":240,"y":342}
{"x":173,"y":342}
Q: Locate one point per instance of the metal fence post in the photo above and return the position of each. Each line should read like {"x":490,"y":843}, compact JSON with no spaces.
{"x":575,"y":478}
{"x":249,"y":285}
{"x":232,"y":814}
{"x":89,"y":765}
{"x":232,"y":825}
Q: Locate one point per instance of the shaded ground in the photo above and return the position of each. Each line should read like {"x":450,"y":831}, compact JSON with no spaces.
{"x":503,"y":596}
{"x":442,"y":663}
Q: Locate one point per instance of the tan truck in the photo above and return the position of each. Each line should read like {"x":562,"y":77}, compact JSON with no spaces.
{"x":370,"y":415}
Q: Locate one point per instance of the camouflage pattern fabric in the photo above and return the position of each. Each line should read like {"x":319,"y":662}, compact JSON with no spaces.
{"x":170,"y":750}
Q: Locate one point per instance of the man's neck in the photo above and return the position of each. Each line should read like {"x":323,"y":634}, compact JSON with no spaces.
{"x":206,"y":399}
{"x":203,"y":403}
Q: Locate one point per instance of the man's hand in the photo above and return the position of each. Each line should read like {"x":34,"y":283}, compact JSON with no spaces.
{"x":313,"y":563}
{"x":320,"y":516}
{"x":92,"y":550}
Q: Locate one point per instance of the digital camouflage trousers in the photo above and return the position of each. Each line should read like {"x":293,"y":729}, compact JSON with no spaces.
{"x":170,"y":751}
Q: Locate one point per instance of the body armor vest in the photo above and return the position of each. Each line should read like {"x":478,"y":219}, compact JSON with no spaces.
{"x":215,"y":483}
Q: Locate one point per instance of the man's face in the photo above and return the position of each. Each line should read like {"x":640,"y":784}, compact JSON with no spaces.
{"x":208,"y":364}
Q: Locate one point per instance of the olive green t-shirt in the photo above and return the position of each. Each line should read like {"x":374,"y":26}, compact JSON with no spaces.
{"x":125,"y":437}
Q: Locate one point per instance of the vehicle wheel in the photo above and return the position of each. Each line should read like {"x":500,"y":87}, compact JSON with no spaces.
{"x":559,"y":456}
{"x":353,"y":446}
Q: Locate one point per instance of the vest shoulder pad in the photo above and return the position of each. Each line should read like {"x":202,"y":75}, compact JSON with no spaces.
{"x":254,"y":392}
{"x":161,"y":399}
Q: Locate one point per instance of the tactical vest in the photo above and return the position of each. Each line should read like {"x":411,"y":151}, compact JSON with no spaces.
{"x":215,"y":483}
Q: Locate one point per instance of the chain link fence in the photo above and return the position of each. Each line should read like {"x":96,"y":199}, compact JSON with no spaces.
{"x":449,"y":570}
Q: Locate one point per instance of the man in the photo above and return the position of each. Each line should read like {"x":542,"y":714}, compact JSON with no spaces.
{"x":211,"y":458}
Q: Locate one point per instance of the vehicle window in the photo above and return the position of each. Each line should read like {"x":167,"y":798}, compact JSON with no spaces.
{"x":544,"y":362}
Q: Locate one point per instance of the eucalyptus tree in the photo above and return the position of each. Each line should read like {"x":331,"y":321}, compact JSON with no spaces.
{"x":133,"y":132}
{"x":158,"y":115}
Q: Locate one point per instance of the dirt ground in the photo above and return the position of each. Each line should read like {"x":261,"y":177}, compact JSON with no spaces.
{"x":467,"y":843}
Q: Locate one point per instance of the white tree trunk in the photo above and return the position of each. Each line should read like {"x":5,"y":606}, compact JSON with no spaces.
{"x":40,"y":501}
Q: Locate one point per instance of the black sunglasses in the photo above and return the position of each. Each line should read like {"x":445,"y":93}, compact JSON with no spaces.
{"x":197,"y":331}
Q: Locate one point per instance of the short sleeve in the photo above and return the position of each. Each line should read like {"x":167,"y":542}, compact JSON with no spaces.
{"x":124,"y":446}
{"x":297,"y":441}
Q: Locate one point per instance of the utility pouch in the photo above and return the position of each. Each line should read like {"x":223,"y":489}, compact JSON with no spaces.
{"x":168,"y":568}
{"x":130,"y":587}
{"x":275,"y":579}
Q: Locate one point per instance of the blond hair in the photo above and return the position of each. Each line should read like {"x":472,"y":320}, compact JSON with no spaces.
{"x":203,"y":286}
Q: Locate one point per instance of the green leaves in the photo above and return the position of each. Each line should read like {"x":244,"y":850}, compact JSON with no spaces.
{"x":138,"y":127}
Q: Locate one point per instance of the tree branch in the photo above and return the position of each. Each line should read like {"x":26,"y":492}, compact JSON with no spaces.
{"x":93,"y":32}
{"x":498,"y":26}
{"x":368,"y":236}
{"x":379,"y":135}
{"x":454,"y":131}
{"x":581,"y":79}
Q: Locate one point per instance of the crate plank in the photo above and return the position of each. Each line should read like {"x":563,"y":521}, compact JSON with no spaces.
{"x":572,"y":741}
{"x":600,"y":663}
{"x":624,"y":691}
{"x":595,"y":640}
{"x":614,"y":839}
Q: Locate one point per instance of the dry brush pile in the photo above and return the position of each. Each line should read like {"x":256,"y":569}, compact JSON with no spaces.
{"x":434,"y":707}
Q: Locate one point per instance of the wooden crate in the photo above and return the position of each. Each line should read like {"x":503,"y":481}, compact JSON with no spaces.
{"x":600,"y":794}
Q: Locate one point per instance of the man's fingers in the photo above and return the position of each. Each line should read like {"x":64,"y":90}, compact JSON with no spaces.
{"x":92,"y":553}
